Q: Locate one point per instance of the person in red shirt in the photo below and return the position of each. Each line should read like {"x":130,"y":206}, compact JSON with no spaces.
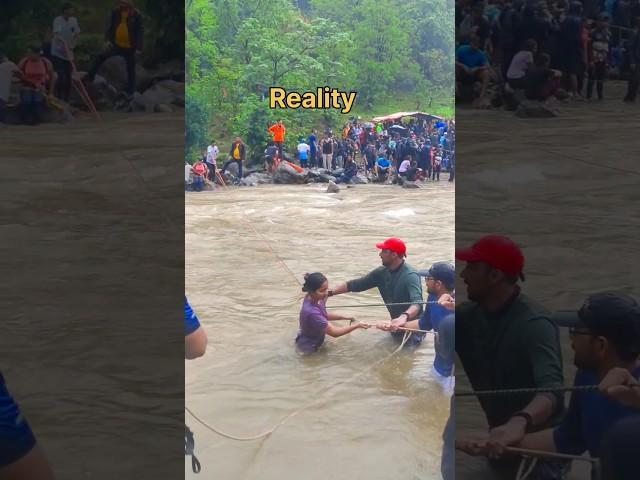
{"x":200,"y":172}
{"x":37,"y":82}
{"x":278,"y":131}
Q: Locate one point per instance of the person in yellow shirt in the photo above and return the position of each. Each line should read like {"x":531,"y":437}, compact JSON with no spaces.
{"x":236,"y":155}
{"x":123,"y":37}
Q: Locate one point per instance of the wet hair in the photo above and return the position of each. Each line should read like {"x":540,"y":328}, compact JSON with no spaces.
{"x":531,"y":45}
{"x":33,"y":49}
{"x":67,"y":6}
{"x":313,"y":281}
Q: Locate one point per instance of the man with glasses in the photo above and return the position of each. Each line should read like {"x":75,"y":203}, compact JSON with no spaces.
{"x":605,"y":335}
{"x":505,"y":340}
{"x":440,"y":280}
{"x":398,"y":284}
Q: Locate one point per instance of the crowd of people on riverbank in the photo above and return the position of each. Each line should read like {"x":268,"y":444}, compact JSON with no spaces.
{"x":45,"y":76}
{"x":418,"y":151}
{"x":545,"y":48}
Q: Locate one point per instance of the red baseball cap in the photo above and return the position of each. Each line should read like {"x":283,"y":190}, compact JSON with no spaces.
{"x":495,"y":250}
{"x":395,"y":245}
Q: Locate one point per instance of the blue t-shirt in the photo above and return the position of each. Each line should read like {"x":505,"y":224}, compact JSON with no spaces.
{"x":589,"y":417}
{"x":430,"y":320}
{"x":470,"y":58}
{"x":191,"y":322}
{"x":16,"y":438}
{"x":312,"y":143}
{"x":383,"y":163}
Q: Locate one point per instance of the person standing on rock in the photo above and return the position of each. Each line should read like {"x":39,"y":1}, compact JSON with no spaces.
{"x":211,"y":160}
{"x":398,"y":284}
{"x":236,"y":155}
{"x":278,"y":131}
{"x":313,"y":144}
{"x":124,"y":37}
{"x":303,"y":153}
{"x":327,"y":152}
{"x":65,"y":34}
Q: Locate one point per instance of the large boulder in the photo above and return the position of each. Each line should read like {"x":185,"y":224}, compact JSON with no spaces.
{"x":59,"y":112}
{"x":333,"y":188}
{"x":166,"y":92}
{"x":114,"y":70}
{"x":533,"y":109}
{"x":359,"y":180}
{"x":285,"y":174}
{"x":320,"y":176}
{"x":103,"y":95}
{"x":256,"y":178}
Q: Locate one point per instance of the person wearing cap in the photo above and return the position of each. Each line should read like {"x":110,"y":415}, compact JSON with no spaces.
{"x":440,"y":280}
{"x":505,"y":340}
{"x":605,"y":334}
{"x":398,"y":283}
{"x":124,"y":38}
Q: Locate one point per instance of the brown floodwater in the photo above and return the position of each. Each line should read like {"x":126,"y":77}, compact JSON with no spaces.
{"x":77,"y":228}
{"x":566,"y":189}
{"x":371,"y":420}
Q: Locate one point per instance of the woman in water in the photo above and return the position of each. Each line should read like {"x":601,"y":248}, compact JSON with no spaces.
{"x":314,"y":319}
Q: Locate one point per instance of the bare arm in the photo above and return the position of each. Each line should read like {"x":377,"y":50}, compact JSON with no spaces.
{"x":513,"y":432}
{"x":542,"y":440}
{"x":339,"y":289}
{"x":195,"y":344}
{"x":336,"y":332}
{"x":339,"y":316}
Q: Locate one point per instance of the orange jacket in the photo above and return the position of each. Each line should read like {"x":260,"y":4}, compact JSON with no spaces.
{"x":278,"y":132}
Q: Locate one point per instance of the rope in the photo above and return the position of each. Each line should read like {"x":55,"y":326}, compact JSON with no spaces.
{"x":522,"y":473}
{"x":317,"y":396}
{"x":523,"y":391}
{"x":382,"y":304}
{"x":519,"y":391}
{"x":540,"y":453}
{"x":594,"y":164}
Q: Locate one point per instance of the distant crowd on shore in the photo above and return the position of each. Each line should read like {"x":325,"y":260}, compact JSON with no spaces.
{"x":417,"y":151}
{"x":545,"y":48}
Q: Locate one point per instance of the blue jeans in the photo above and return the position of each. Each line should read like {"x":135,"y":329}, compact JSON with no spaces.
{"x":198,"y":183}
{"x":447,"y":463}
{"x":31,"y":103}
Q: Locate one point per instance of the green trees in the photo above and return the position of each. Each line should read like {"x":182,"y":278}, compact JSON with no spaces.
{"x":26,"y":22}
{"x":383,"y":49}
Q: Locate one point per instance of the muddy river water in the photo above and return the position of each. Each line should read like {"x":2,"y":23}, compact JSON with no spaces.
{"x":371,"y":420}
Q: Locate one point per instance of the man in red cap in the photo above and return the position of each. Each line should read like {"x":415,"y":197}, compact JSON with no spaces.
{"x":507,"y":341}
{"x":397,"y":282}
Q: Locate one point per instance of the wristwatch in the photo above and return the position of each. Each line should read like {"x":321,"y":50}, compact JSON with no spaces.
{"x":405,"y":313}
{"x":330,"y":293}
{"x":528,"y":418}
